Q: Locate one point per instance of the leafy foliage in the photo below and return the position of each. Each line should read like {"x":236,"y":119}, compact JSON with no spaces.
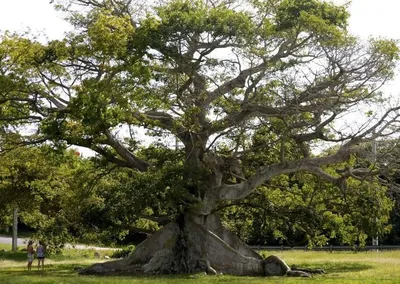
{"x":246,"y":90}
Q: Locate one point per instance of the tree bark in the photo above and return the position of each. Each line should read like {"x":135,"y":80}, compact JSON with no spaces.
{"x":15,"y":230}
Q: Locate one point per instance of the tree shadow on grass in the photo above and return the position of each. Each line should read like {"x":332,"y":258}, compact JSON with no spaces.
{"x":67,"y":270}
{"x":340,"y":267}
{"x":14,"y":256}
{"x":56,"y":270}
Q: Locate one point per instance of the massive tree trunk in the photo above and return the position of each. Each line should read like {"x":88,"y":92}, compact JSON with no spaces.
{"x":197,"y":241}
{"x":191,"y":244}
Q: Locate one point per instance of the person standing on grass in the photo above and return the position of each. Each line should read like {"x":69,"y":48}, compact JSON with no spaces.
{"x":41,"y":250}
{"x":30,"y":252}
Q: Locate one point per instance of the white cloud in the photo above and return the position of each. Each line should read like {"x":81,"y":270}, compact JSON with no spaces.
{"x":375,"y":18}
{"x":36,"y":15}
{"x":368,"y":17}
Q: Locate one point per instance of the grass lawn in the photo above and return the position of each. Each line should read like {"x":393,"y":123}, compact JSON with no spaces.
{"x":341,"y":267}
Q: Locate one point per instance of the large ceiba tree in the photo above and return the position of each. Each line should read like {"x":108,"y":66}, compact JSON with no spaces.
{"x":211,"y":74}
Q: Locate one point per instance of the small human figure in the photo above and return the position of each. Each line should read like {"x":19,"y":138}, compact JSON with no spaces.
{"x":30,"y":252}
{"x":41,"y":250}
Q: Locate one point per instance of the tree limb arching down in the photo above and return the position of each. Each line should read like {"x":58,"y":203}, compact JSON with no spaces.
{"x":211,"y":74}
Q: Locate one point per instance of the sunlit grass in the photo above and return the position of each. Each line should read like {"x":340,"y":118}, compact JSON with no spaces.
{"x":348,"y":265}
{"x":341,"y":267}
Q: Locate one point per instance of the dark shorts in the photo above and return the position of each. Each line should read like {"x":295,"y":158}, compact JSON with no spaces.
{"x":40,"y":257}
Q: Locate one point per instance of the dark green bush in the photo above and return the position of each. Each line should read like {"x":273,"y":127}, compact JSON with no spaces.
{"x":124,"y":252}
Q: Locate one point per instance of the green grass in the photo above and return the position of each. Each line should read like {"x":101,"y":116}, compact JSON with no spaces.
{"x":341,"y":267}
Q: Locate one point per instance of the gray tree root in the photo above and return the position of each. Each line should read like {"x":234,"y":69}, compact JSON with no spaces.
{"x":275,"y":266}
{"x":304,"y":272}
{"x":143,"y":253}
{"x":222,"y":257}
{"x":213,"y":224}
{"x":191,"y":246}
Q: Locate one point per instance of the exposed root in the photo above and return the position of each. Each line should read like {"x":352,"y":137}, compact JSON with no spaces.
{"x":160,"y":263}
{"x":222,"y":257}
{"x":143,"y":253}
{"x":297,"y":273}
{"x":164,"y":238}
{"x":275,"y":266}
{"x":189,"y":247}
{"x":209,"y":269}
{"x":109,"y":267}
{"x":213,"y":224}
{"x":308,"y":270}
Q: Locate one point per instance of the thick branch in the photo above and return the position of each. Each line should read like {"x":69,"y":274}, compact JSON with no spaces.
{"x":19,"y":118}
{"x":110,"y":157}
{"x":164,"y":120}
{"x":286,"y":48}
{"x":133,"y":161}
{"x":241,"y":190}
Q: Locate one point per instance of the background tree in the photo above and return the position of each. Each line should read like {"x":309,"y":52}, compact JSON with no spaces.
{"x":38,"y":181}
{"x":304,"y":209}
{"x":383,"y":163}
{"x":211,"y":74}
